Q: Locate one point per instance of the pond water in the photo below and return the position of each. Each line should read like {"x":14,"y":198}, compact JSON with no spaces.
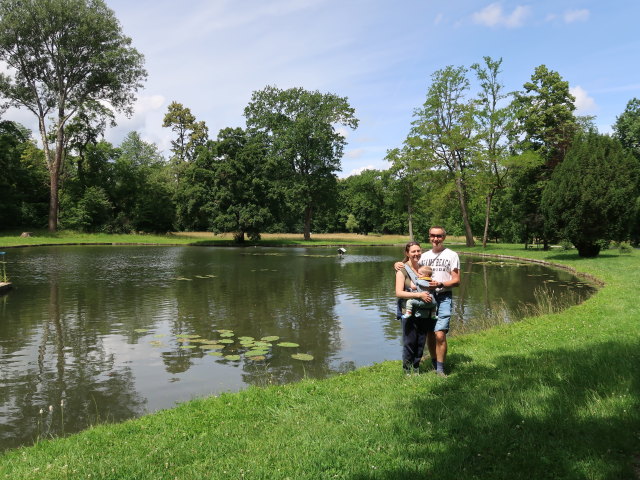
{"x":101,"y":333}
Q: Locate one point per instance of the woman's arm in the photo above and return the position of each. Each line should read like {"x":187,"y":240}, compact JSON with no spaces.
{"x":400,"y":293}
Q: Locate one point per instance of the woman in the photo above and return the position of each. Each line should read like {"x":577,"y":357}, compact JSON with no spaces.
{"x":414,"y":330}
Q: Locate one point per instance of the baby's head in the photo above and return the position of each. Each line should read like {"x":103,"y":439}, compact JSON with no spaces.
{"x":425,"y":271}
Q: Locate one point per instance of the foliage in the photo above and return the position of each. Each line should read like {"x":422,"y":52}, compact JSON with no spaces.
{"x":305,"y":146}
{"x":239,"y":195}
{"x":579,"y":202}
{"x":443,"y":132}
{"x":545,"y":120}
{"x":23,"y":178}
{"x":190,"y":134}
{"x":627,"y":127}
{"x":142,"y":192}
{"x":65,"y":56}
{"x":91,"y":213}
{"x":495,"y":125}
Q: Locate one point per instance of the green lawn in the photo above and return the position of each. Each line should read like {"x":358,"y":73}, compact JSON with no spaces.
{"x":555,"y":396}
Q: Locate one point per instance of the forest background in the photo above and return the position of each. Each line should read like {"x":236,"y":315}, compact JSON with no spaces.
{"x":488,"y":164}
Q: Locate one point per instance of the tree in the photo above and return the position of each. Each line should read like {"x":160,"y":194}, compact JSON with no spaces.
{"x":240,"y":190}
{"x":494,"y":123}
{"x":443,"y":132}
{"x":627,"y":127}
{"x":591,"y":195}
{"x":65,"y":55}
{"x":143,"y":188}
{"x":305,"y":147}
{"x":545,"y":120}
{"x":190,"y":133}
{"x":22,"y":181}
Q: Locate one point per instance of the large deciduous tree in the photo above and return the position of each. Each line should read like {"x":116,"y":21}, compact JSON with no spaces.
{"x":443,"y":130}
{"x":545,"y":118}
{"x":189,"y":133}
{"x":590,"y":196}
{"x":62,"y":56}
{"x":494,"y":124}
{"x":305,"y":147}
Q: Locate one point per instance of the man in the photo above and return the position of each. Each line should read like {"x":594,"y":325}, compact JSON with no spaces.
{"x":446,"y":275}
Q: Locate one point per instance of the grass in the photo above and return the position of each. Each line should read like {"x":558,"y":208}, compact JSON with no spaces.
{"x":43,"y":237}
{"x":553,"y":396}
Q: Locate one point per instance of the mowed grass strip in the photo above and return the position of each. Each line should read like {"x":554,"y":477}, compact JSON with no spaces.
{"x":555,"y":396}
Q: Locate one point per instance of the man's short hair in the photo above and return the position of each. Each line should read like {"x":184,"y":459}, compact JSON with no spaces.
{"x":440,"y":228}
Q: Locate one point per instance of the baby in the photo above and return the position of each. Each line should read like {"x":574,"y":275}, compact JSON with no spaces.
{"x":417,"y":304}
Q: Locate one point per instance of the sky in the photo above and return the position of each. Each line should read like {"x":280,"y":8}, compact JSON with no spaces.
{"x":210,"y":55}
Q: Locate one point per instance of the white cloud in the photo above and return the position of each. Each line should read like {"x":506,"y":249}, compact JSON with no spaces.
{"x":571,"y":16}
{"x":584,"y":103}
{"x":493,"y":16}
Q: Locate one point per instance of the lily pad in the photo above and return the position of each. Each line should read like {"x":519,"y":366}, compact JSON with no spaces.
{"x":246,"y":339}
{"x":156,"y":343}
{"x":227,"y":334}
{"x":186,"y":335}
{"x":302,"y":356}
{"x":258,"y":358}
{"x":255,"y":353}
{"x":288,"y":344}
{"x":141,"y":330}
{"x":271,"y":338}
{"x":214,"y":354}
{"x":225,"y":340}
{"x":212,"y":346}
{"x":262,"y":344}
{"x":232,"y":357}
{"x":187,"y":346}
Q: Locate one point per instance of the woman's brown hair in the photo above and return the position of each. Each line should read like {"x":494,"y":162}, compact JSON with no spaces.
{"x":406,"y":250}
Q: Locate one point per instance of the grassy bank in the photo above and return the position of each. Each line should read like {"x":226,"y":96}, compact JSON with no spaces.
{"x":556,"y":396}
{"x":43,"y":237}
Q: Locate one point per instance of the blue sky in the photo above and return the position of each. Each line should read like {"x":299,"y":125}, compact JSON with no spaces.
{"x":210,"y":55}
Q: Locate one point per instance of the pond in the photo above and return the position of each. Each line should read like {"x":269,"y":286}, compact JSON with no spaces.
{"x":100,"y":333}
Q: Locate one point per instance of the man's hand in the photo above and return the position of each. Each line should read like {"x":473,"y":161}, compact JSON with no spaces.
{"x":398,"y":266}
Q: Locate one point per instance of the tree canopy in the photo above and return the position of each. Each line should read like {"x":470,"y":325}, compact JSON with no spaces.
{"x":63,"y":56}
{"x":305,"y":146}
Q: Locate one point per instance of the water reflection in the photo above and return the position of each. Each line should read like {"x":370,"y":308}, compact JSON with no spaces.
{"x":95,"y":332}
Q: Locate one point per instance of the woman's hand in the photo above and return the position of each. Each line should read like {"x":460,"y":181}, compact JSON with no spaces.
{"x":425,"y":296}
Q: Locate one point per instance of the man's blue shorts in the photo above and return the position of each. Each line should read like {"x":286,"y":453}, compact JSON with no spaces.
{"x":444,"y":301}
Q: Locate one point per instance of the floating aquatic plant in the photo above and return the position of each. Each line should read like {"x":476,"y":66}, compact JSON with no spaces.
{"x":302,"y":356}
{"x":225,"y":340}
{"x":227,"y":334}
{"x":271,"y":338}
{"x":215,"y":354}
{"x":255,"y":353}
{"x":232,"y":357}
{"x":257,"y":358}
{"x":248,"y":339}
{"x":288,"y":344}
{"x":141,"y":330}
{"x":186,"y":335}
{"x":188,"y":346}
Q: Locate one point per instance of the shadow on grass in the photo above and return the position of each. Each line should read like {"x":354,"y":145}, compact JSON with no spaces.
{"x":562,"y":414}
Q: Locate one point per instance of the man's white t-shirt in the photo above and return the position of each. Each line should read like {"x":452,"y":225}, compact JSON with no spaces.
{"x":442,"y":263}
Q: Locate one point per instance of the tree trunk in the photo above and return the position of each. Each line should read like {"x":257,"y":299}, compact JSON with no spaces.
{"x":487,"y":213}
{"x":307,"y":222}
{"x":410,"y":212}
{"x":463,"y":209}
